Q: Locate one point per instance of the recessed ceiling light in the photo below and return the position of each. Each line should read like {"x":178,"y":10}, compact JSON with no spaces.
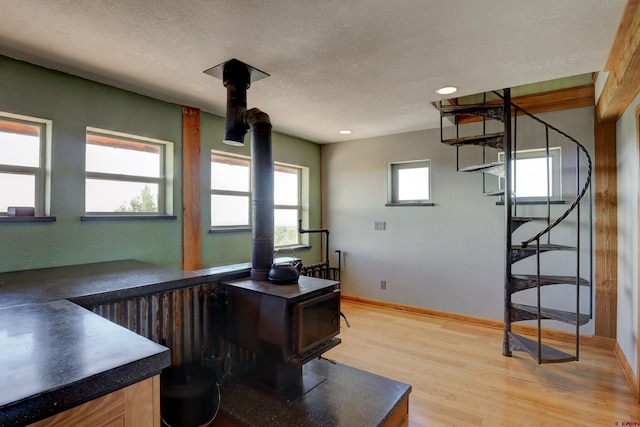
{"x":447,"y":90}
{"x":345,"y":132}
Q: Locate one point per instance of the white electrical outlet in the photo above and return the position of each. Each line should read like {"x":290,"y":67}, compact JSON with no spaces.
{"x":380,"y":225}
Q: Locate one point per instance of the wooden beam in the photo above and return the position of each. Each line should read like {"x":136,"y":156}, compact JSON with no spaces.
{"x":606,"y":229}
{"x":637,"y":390}
{"x":623,"y":65}
{"x":544,"y":102}
{"x":191,"y":240}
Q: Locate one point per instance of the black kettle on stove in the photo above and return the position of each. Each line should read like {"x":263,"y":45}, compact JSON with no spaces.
{"x":285,"y":274}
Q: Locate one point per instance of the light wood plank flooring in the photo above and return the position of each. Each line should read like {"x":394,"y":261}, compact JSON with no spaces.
{"x":460,"y":378}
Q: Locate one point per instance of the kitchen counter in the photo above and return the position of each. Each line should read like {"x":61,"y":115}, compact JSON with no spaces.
{"x":91,"y":284}
{"x":56,"y":355}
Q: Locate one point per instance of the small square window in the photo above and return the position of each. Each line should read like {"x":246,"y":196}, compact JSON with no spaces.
{"x":126,"y":174}
{"x":409,"y":183}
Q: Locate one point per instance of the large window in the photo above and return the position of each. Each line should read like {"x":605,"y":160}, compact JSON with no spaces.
{"x":409,"y":183}
{"x":23,"y":163}
{"x":231,"y":197}
{"x":230,"y":192}
{"x":537,"y":175}
{"x":127,"y":174}
{"x":287,"y":205}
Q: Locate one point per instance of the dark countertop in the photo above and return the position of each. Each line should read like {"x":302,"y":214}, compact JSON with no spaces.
{"x":91,"y":284}
{"x":56,"y":355}
{"x":349,"y":397}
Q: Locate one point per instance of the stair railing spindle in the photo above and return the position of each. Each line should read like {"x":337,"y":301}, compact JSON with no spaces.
{"x":578,"y":241}
{"x":539,"y":319}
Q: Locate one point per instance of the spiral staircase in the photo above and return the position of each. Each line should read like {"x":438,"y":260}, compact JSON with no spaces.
{"x":532,"y":295}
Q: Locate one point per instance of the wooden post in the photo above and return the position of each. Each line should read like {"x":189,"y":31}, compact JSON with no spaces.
{"x":606,"y":229}
{"x":191,"y":239}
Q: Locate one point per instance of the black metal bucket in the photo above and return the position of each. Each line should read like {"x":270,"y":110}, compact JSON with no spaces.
{"x":187,"y":396}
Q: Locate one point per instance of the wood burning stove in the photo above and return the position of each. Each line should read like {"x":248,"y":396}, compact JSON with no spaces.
{"x":285,"y":326}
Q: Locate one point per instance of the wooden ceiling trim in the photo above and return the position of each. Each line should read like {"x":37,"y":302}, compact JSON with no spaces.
{"x":544,"y":102}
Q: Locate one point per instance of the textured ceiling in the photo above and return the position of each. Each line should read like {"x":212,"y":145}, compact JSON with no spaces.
{"x":367,"y":65}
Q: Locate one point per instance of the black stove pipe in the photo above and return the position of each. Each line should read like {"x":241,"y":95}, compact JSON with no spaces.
{"x":262,"y":193}
{"x":237,"y":79}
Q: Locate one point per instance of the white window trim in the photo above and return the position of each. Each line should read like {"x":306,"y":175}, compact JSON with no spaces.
{"x":42,"y":173}
{"x":392,"y":189}
{"x":166,"y":181}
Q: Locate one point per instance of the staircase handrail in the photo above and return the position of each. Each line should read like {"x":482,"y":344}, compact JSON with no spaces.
{"x":585,"y":186}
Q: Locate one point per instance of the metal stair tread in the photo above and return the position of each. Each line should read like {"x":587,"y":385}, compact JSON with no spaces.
{"x":493,"y":111}
{"x":528,"y":218}
{"x":494,"y":140}
{"x":521,"y":282}
{"x":548,"y":354}
{"x":498,"y":192}
{"x":494,"y":168}
{"x":552,"y":314}
{"x":518,"y":252}
{"x":518,"y":221}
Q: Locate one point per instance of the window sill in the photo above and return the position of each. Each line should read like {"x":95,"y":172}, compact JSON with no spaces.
{"x":410,"y":204}
{"x":127,"y":217}
{"x":229,"y":229}
{"x":533,"y":202}
{"x":7,"y":219}
{"x":291,"y":248}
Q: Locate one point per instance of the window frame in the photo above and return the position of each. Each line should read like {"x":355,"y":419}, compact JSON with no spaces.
{"x":41,"y":173}
{"x":301,"y":208}
{"x":555,"y":153}
{"x":232,"y":193}
{"x":297,"y":208}
{"x":393,"y":181}
{"x":164,"y":181}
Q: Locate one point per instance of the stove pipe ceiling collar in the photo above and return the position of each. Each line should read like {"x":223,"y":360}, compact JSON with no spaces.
{"x":236,"y":77}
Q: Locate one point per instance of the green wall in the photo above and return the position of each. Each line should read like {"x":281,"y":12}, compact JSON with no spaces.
{"x":72,"y":104}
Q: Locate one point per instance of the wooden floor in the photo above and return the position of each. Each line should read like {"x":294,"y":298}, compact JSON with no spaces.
{"x":460,"y":378}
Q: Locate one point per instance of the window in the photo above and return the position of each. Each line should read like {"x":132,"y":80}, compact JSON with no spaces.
{"x":24,"y":173}
{"x":286,"y":185}
{"x":127,"y":174}
{"x":231,"y":197}
{"x":230,"y":191}
{"x":409,"y":183}
{"x":531,"y":169}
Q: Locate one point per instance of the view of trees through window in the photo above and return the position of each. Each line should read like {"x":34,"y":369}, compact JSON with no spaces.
{"x":146,"y":201}
{"x":124,"y":174}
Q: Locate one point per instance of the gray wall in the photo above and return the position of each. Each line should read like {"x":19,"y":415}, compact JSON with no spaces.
{"x":628,"y":175}
{"x":72,"y":104}
{"x":446,"y":257}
